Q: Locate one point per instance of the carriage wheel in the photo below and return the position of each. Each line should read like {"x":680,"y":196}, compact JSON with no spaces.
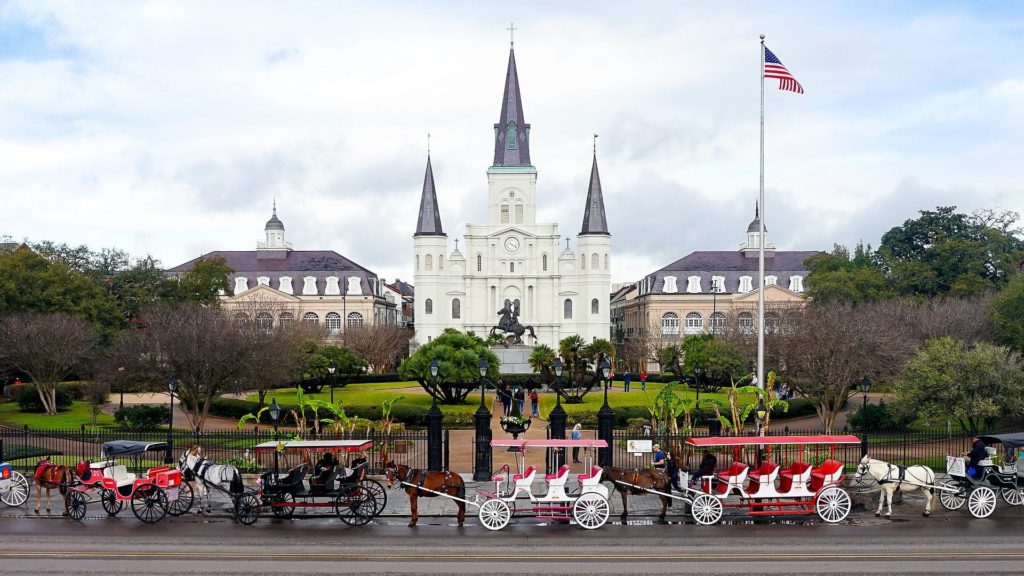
{"x":377,"y":492}
{"x":183,"y":503}
{"x":17,"y":490}
{"x":111,"y":505}
{"x":495,"y":514}
{"x":247,"y":509}
{"x":76,"y":504}
{"x":706,"y":509}
{"x":282,"y":511}
{"x":591,"y":510}
{"x":1012,"y":496}
{"x":355,"y":508}
{"x":832,"y":504}
{"x":149,"y":504}
{"x":952,"y":500}
{"x":981,"y":502}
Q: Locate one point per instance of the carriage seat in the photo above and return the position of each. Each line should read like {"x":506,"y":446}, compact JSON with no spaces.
{"x":563,"y":471}
{"x":987,"y":460}
{"x":526,"y":475}
{"x":796,"y":475}
{"x":120,"y":475}
{"x":732,"y":479}
{"x":830,"y":472}
{"x":595,"y":472}
{"x":764,"y":475}
{"x":99,"y":465}
{"x":353,"y":475}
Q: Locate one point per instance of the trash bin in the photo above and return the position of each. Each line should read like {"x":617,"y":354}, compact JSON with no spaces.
{"x":714,"y":427}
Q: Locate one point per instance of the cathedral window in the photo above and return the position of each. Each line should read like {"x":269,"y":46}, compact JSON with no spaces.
{"x":595,"y":262}
{"x":544,"y":262}
{"x":428,"y":262}
{"x":333,"y":322}
{"x":746,"y":322}
{"x":595,"y":306}
{"x":355,"y":319}
{"x":567,"y":309}
{"x":745,"y":285}
{"x":511,"y":137}
{"x":694,"y":323}
{"x":669,"y":324}
{"x":504,"y":213}
{"x":479,"y":262}
{"x":311,"y":317}
{"x":428,"y":306}
{"x":511,"y":267}
{"x":456,"y":309}
{"x":519,"y":213}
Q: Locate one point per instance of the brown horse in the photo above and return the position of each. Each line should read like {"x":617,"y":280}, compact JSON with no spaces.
{"x":652,"y":479}
{"x":49,"y":476}
{"x":444,"y":482}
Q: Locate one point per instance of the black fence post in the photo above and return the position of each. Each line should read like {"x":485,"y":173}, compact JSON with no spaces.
{"x":482,"y":448}
{"x":556,"y":431}
{"x":434,"y":418}
{"x":1,"y":449}
{"x":447,"y":440}
{"x":605,"y":422}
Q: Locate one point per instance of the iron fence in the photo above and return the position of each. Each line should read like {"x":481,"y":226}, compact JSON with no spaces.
{"x":23,"y":447}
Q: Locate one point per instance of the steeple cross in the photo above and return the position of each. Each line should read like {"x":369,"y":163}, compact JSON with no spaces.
{"x":595,"y":143}
{"x":512,"y":33}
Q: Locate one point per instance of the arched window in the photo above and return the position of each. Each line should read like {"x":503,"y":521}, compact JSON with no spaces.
{"x":417,"y":262}
{"x":567,"y":309}
{"x":333,"y":322}
{"x":355,"y":319}
{"x":479,"y":262}
{"x":717,"y":322}
{"x":669,"y":324}
{"x":428,"y":262}
{"x":583,"y":261}
{"x":428,"y":306}
{"x":595,"y":262}
{"x":284,"y":318}
{"x":440,"y":261}
{"x":544,"y":262}
{"x":745,"y":321}
{"x":456,"y":309}
{"x":504,"y":213}
{"x":241,"y":319}
{"x":595,"y":306}
{"x":511,"y":267}
{"x":519,"y":213}
{"x":265,"y":322}
{"x":694,"y":323}
{"x":311,"y":317}
{"x":771,"y":323}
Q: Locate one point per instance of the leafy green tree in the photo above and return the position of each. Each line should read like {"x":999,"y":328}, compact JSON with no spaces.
{"x":950,"y":380}
{"x":580,"y":362}
{"x":203,"y":283}
{"x":1008,"y":313}
{"x":838,"y":276}
{"x":140,"y":286}
{"x":459,"y":356}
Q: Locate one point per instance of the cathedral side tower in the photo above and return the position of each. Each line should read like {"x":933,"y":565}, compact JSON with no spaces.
{"x":429,"y":246}
{"x":594,"y":271}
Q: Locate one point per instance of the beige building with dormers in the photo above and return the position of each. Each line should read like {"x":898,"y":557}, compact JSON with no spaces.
{"x":705,"y":291}
{"x":275,"y":284}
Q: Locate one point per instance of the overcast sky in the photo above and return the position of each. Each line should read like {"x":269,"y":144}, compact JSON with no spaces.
{"x":168,"y":127}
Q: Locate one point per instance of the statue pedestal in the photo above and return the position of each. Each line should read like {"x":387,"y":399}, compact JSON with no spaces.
{"x":514,"y":359}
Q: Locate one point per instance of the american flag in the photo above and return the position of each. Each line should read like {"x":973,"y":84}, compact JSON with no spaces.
{"x":773,"y":68}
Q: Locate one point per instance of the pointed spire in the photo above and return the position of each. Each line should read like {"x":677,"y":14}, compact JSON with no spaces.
{"x":511,"y":133}
{"x":274,"y":223}
{"x":429,"y":223}
{"x":755,"y":224}
{"x":594,"y":219}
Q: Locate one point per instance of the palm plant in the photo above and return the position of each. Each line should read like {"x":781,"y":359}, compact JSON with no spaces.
{"x":542,"y":357}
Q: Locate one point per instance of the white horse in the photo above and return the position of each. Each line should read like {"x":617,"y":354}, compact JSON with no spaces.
{"x":222,"y":475}
{"x":891,"y":478}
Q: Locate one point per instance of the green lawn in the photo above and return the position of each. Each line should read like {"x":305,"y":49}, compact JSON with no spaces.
{"x":72,"y":417}
{"x":374,"y":395}
{"x":634,"y":398}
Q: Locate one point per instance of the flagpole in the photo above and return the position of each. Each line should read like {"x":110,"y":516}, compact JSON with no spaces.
{"x":760,"y":242}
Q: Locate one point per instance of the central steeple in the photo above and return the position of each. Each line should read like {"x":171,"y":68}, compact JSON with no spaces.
{"x":511,"y":133}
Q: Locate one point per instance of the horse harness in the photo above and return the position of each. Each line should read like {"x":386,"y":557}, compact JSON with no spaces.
{"x":421,"y":477}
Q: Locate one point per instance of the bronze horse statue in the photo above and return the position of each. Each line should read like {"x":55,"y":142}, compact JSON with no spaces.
{"x":509,"y":324}
{"x":49,"y":476}
{"x":444,"y":482}
{"x":650,"y":479}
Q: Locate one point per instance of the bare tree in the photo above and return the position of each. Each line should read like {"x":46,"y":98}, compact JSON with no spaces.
{"x":47,"y":347}
{"x":383,"y":346}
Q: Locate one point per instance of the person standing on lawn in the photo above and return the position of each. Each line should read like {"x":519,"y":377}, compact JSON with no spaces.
{"x":535,"y":403}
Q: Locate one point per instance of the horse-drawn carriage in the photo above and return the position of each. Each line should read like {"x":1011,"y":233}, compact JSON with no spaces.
{"x":975,"y":487}
{"x":152,"y":495}
{"x":14,"y":488}
{"x":353,"y":497}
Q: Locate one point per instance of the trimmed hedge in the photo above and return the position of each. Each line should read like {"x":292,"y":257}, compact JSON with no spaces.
{"x":28,"y":399}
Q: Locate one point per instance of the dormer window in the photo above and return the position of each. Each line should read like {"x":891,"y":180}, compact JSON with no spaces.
{"x":771,"y":280}
{"x":309,"y":285}
{"x":285,"y":285}
{"x":796,"y":283}
{"x":718,"y":284}
{"x":355,"y":285}
{"x":745,"y":285}
{"x":263,"y":281}
{"x":241,"y":284}
{"x":693,"y":285}
{"x":670,"y":285}
{"x":332,"y":288}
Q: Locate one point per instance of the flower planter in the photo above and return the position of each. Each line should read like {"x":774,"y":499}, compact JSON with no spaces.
{"x":515,"y":428}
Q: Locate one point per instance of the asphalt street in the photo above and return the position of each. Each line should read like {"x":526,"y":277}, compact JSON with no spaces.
{"x":952,"y":543}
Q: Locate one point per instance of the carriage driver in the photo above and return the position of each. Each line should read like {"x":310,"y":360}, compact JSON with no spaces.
{"x":323,"y":468}
{"x":976,"y":455}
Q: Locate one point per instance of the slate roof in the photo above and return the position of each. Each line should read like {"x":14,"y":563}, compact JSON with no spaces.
{"x":594,"y":219}
{"x":429,"y":221}
{"x":512,"y":112}
{"x":731,"y":265}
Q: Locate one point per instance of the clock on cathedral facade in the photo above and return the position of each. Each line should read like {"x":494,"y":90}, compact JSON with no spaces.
{"x":512,"y":256}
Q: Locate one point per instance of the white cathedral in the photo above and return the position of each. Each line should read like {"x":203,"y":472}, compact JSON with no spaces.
{"x":513,"y":257}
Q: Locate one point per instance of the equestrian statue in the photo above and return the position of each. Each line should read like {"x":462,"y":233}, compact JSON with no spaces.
{"x":509,"y":324}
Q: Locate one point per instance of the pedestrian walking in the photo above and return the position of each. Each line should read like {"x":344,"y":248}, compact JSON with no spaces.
{"x":643,"y":380}
{"x":672,"y":469}
{"x":535,"y":403}
{"x":577,"y":434}
{"x":659,"y":458}
{"x":625,"y":381}
{"x":520,"y":399}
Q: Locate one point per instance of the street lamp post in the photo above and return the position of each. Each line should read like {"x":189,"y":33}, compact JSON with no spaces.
{"x":760,"y":413}
{"x":120,"y":385}
{"x":698,"y":377}
{"x":434,"y":418}
{"x":605,"y":417}
{"x":331,"y":369}
{"x":557,"y":417}
{"x":714,"y":303}
{"x":172,"y":385}
{"x":482,"y":419}
{"x":865,"y":387}
{"x":275,"y":415}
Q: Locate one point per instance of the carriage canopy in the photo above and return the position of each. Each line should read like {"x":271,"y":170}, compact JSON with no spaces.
{"x":316,"y":445}
{"x":762,"y":440}
{"x":130,"y":448}
{"x":553,"y":443}
{"x":1009,"y":441}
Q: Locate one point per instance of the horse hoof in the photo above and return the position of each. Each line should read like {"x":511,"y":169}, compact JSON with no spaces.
{"x":926,"y":514}
{"x":877,"y":514}
{"x":37,"y":510}
{"x":411,"y":524}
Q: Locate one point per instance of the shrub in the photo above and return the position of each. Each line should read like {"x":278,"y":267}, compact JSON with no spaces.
{"x":142,"y":416}
{"x":28,"y":399}
{"x":877,"y":416}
